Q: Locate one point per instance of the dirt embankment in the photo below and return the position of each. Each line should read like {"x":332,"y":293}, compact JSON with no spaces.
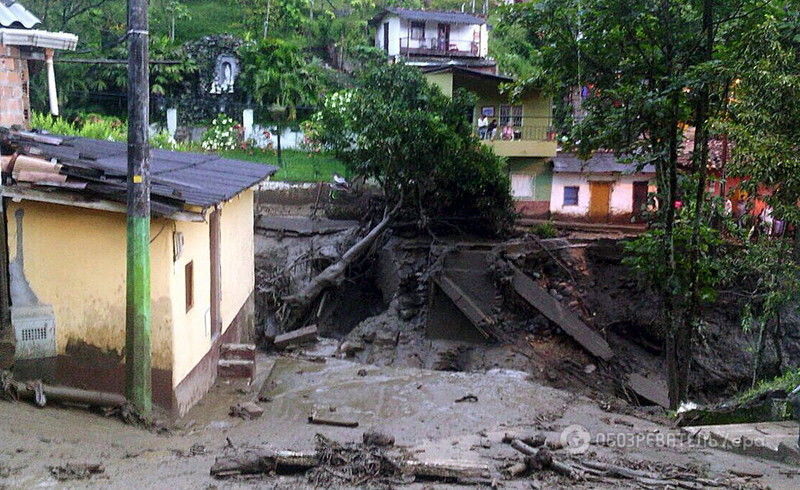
{"x":383,"y":315}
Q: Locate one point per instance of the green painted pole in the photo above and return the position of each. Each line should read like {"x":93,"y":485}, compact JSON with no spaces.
{"x":138,"y":388}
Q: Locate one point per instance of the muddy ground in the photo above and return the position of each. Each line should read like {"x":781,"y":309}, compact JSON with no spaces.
{"x":418,"y":407}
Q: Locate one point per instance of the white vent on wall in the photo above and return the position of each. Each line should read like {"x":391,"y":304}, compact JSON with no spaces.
{"x":177,"y":245}
{"x":35,"y":330}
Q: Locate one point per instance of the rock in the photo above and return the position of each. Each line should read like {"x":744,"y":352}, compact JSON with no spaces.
{"x":407,"y":313}
{"x":246,"y":411}
{"x":368,"y":337}
{"x":375,"y":438}
{"x":350,"y":348}
{"x":589,"y":369}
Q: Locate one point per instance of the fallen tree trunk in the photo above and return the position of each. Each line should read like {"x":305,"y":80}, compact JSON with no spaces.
{"x":253,"y":462}
{"x":41,"y":393}
{"x":301,"y":302}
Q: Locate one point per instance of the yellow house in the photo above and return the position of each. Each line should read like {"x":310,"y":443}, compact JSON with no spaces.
{"x":523,"y":134}
{"x":66,"y":237}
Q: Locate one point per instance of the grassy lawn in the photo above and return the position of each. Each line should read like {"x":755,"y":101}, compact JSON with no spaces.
{"x":298,"y":166}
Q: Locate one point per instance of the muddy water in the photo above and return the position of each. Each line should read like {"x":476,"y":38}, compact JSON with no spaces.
{"x":417,"y":406}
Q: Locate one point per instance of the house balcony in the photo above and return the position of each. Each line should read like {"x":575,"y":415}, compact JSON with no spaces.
{"x":440,"y":47}
{"x":526,"y":137}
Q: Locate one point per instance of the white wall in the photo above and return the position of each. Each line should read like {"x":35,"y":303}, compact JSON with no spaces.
{"x":621,"y":201}
{"x":394,"y":34}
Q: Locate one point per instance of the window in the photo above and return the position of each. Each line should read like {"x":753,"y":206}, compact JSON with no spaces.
{"x":571,"y":196}
{"x":511,"y":113}
{"x":521,"y":185}
{"x":417,"y":30}
{"x":189,"y":278}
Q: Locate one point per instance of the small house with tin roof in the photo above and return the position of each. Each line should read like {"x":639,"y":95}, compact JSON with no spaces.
{"x":603,"y":188}
{"x":65,"y":226}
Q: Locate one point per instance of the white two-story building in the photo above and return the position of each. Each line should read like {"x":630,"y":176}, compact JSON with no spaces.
{"x":433,"y":38}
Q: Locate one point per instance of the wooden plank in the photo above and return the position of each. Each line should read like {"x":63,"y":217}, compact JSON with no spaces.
{"x":296,"y":336}
{"x":464,"y":303}
{"x":561,"y":316}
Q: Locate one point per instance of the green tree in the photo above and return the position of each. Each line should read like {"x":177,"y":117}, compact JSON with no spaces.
{"x":278,"y":72}
{"x":654,"y":66}
{"x":401,"y":131}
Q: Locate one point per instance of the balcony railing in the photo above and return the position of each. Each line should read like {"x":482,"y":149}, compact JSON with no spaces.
{"x":521,"y":128}
{"x":439,"y":47}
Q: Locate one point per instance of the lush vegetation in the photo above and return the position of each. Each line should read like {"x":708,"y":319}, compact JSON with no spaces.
{"x":396,"y":128}
{"x":653,"y":68}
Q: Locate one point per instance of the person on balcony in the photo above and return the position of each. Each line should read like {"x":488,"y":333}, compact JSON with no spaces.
{"x":492,"y":129}
{"x":483,"y":126}
{"x":508,"y":131}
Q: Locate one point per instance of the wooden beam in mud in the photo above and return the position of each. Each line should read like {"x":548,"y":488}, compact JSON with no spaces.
{"x":565,"y":318}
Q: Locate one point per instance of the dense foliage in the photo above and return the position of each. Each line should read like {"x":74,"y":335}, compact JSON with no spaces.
{"x":417,"y":143}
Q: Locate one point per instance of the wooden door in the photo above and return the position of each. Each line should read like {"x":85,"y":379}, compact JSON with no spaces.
{"x":386,"y":36}
{"x":639,"y":198}
{"x":599,"y":199}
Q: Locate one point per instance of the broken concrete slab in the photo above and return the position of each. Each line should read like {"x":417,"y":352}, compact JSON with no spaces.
{"x":296,"y":337}
{"x":540,"y":299}
{"x":480,"y":320}
{"x":650,"y":387}
{"x":303,"y":226}
{"x":772,"y":440}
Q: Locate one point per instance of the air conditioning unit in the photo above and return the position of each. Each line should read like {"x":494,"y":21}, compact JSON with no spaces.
{"x":35,"y":331}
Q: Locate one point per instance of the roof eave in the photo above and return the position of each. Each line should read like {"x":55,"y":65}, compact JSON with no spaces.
{"x":39,"y":39}
{"x":18,"y":193}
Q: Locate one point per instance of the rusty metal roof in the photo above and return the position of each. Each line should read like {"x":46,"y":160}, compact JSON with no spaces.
{"x":98,"y":168}
{"x":601,"y":162}
{"x":14,"y":14}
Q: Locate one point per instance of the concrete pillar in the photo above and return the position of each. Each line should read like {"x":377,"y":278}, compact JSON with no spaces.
{"x":172,"y":121}
{"x":247,"y":123}
{"x":51,"y":82}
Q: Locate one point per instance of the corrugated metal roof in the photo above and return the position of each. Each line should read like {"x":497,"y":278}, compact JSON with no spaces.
{"x":600,"y":162}
{"x":467,"y":71}
{"x":100,"y":168}
{"x":13,"y":14}
{"x":435,"y":16}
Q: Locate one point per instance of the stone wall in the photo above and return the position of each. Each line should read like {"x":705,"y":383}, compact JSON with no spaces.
{"x":14,"y":100}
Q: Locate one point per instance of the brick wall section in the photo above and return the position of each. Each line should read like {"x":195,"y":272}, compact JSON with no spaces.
{"x":14,"y":100}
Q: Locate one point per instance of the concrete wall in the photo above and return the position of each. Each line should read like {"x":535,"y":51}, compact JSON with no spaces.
{"x":621,"y":199}
{"x":195,"y":351}
{"x":14,"y":101}
{"x":74,"y":259}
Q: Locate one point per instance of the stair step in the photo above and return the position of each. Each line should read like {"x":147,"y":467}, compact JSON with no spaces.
{"x":236,"y":368}
{"x":238,"y":351}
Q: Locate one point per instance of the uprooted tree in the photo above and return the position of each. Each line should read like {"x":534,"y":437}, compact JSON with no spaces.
{"x":396,"y":129}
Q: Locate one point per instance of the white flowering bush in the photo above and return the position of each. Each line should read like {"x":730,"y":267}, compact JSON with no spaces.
{"x":222,"y":135}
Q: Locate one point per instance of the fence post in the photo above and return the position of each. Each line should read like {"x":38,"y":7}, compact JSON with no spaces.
{"x":172,"y":121}
{"x":247,"y":123}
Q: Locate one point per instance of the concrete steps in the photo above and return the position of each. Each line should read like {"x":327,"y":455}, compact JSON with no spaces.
{"x":237,"y":361}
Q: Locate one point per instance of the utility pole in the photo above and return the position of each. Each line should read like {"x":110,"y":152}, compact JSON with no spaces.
{"x":137,"y":312}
